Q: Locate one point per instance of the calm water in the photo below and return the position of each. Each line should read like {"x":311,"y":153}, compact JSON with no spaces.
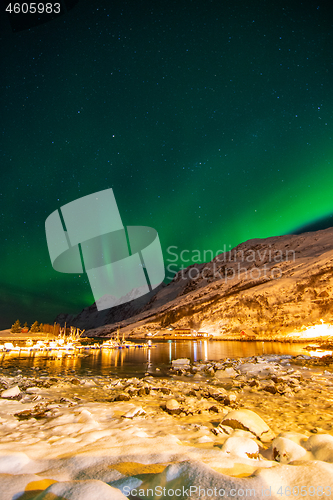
{"x":130,"y":362}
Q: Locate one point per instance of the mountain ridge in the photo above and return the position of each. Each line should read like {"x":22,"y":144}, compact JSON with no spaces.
{"x":273,"y":284}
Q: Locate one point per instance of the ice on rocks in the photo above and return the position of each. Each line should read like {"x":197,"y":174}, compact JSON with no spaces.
{"x":259,"y":369}
{"x":135,"y":412}
{"x":11,"y":393}
{"x":241,"y":447}
{"x":173,"y":407}
{"x":33,"y":390}
{"x":314,"y":475}
{"x":79,"y":444}
{"x":227,"y":373}
{"x":86,"y":417}
{"x":297,"y":437}
{"x":249,"y":421}
{"x":181,"y":363}
{"x":284,"y":450}
{"x":321,"y":446}
{"x":204,"y":439}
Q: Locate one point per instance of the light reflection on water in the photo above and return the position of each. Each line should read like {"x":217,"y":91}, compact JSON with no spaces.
{"x":129,"y":362}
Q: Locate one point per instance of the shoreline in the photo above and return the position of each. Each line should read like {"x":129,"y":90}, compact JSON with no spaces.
{"x":255,"y":421}
{"x":6,"y":336}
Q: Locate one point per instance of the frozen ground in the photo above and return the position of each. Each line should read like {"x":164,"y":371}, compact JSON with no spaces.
{"x":237,"y":428}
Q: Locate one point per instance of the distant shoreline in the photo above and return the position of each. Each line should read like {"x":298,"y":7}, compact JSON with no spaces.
{"x":7,"y":336}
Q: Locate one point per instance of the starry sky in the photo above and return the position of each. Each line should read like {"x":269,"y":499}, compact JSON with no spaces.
{"x":210,"y":120}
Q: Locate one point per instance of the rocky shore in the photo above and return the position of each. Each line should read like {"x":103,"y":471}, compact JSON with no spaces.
{"x":262,"y":423}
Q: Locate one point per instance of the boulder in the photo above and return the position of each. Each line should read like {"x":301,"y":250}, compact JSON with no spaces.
{"x":321,"y":446}
{"x":165,"y":390}
{"x":285,"y":450}
{"x":173,"y":407}
{"x":181,"y":363}
{"x":124,"y":396}
{"x":33,"y":390}
{"x":204,"y":439}
{"x":230,"y":399}
{"x":13,"y":392}
{"x":227,"y":373}
{"x":248,"y":420}
{"x":218,"y":394}
{"x":135,"y":412}
{"x":241,"y":447}
{"x":258,"y":369}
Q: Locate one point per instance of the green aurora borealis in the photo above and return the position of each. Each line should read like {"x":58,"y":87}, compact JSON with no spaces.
{"x":211,"y":121}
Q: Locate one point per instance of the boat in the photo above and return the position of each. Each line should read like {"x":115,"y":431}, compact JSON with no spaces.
{"x":109,"y":344}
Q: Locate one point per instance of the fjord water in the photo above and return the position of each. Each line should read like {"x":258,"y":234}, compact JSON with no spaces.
{"x":156,"y":360}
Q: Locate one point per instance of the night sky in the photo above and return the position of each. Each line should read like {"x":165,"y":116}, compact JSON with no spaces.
{"x":211,"y":121}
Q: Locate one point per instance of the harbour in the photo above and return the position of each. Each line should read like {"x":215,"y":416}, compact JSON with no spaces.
{"x":137,"y":359}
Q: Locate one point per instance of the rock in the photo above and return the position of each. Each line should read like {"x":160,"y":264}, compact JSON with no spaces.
{"x":180,"y":363}
{"x":285,"y":450}
{"x":65,"y":400}
{"x":135,"y":412}
{"x":33,"y":390}
{"x":321,"y":446}
{"x":75,"y":381}
{"x":38,"y":411}
{"x":227,"y":373}
{"x":123,"y":396}
{"x":205,"y":439}
{"x":165,"y":390}
{"x":85,"y":417}
{"x":144,"y":391}
{"x":284,"y":390}
{"x":218,"y":394}
{"x":270,"y":388}
{"x":230,"y":399}
{"x":133,"y":381}
{"x":222,"y":429}
{"x":297,"y":437}
{"x":89,"y":383}
{"x":241,"y":447}
{"x":262,"y":369}
{"x":132,"y":391}
{"x":249,"y":421}
{"x":13,"y":392}
{"x":173,"y":407}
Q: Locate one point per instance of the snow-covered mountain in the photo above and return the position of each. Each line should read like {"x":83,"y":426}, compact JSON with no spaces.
{"x":268,"y":285}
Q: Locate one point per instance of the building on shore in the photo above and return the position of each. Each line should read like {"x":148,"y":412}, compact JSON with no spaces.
{"x":178,"y":333}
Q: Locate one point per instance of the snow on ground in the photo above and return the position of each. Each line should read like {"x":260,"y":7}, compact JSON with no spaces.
{"x":69,"y":438}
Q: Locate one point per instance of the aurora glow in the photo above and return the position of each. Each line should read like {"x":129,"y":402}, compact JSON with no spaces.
{"x":211,"y":121}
